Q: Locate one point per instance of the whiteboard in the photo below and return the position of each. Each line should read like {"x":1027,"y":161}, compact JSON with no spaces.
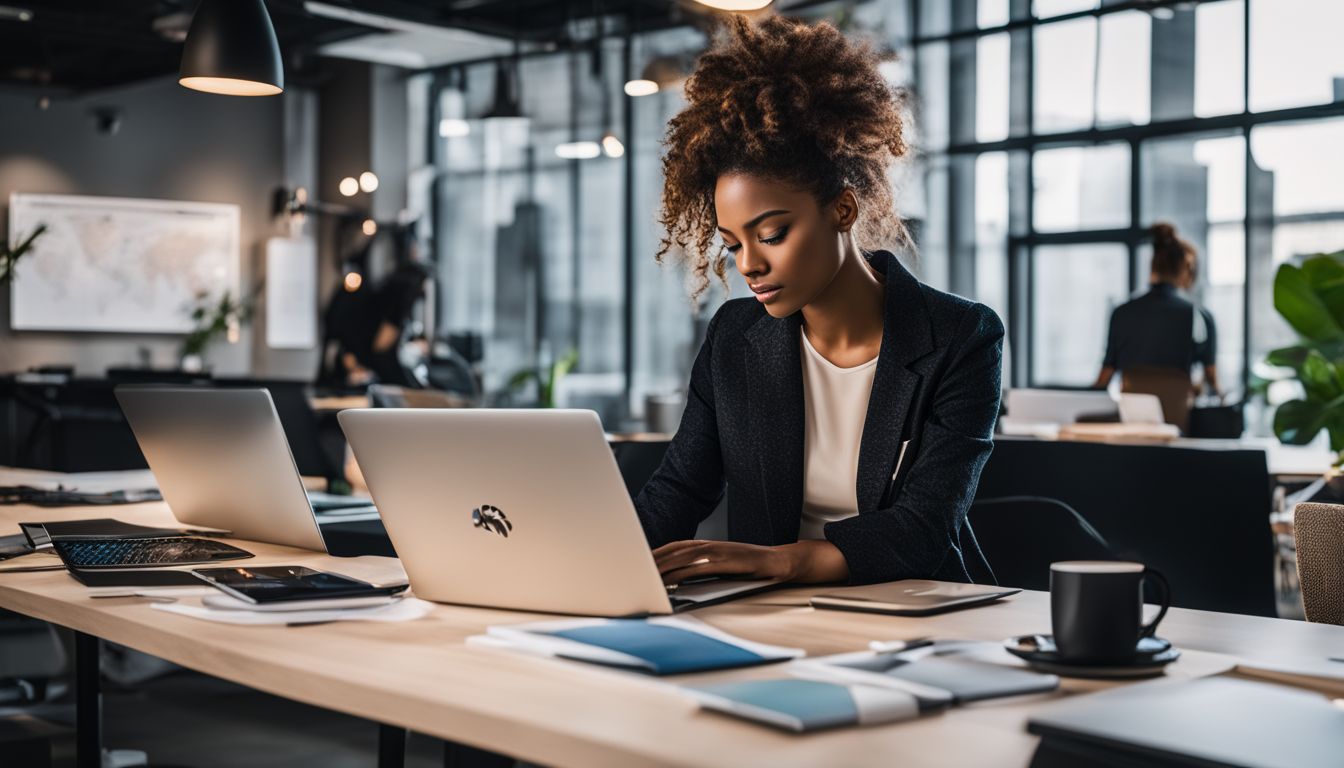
{"x":120,"y":264}
{"x":291,"y":293}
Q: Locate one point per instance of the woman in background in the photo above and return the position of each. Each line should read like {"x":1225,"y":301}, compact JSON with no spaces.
{"x":1162,"y":329}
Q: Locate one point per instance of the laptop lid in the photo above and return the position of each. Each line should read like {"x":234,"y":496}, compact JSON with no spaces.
{"x":521,"y":509}
{"x":221,"y":461}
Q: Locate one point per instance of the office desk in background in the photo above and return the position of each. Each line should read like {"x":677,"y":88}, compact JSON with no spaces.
{"x":421,"y":676}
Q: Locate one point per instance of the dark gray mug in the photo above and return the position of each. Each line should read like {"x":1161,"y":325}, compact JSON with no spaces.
{"x":1096,"y":608}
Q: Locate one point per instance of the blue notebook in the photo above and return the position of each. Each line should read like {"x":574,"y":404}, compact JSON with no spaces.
{"x":806,"y":705}
{"x":663,"y":646}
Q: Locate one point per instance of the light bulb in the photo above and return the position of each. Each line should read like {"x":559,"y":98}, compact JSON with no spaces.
{"x":578,"y":150}
{"x":367,"y":181}
{"x":349,"y":187}
{"x":370,"y":227}
{"x":612,"y":146}
{"x":352,"y":281}
{"x":641,"y":88}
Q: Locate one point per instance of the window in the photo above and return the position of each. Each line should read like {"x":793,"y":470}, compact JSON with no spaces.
{"x":1079,"y":188}
{"x":1076,"y":288}
{"x":1296,"y":58}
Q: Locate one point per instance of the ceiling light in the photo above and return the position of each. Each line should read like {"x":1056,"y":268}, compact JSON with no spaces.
{"x":18,"y":14}
{"x":505,"y":106}
{"x":735,"y":5}
{"x":367,"y":181}
{"x":231,"y":49}
{"x":352,"y":281}
{"x":349,"y":187}
{"x":641,"y":88}
{"x":454,"y":128}
{"x":578,"y":150}
{"x":612,"y":146}
{"x":369,"y":227}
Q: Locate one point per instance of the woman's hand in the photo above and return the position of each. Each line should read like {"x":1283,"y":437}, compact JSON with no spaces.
{"x":807,"y":561}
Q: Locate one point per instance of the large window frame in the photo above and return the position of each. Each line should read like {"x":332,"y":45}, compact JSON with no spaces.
{"x":1023,"y":238}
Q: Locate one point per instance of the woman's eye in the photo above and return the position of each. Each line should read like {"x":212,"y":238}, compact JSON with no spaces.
{"x":732,"y":248}
{"x":775,"y":238}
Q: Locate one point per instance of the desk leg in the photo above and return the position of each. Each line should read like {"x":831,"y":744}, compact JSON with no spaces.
{"x":88,"y":703}
{"x":391,"y":746}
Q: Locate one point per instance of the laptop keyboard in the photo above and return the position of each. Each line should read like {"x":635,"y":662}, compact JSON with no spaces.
{"x":118,"y":553}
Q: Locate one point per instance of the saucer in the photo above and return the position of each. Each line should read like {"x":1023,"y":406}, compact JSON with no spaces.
{"x":1150,"y":656}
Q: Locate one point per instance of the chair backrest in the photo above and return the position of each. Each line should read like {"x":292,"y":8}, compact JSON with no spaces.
{"x":1021,"y":536}
{"x":1170,"y":385}
{"x":1319,"y":532}
{"x":1199,"y":516}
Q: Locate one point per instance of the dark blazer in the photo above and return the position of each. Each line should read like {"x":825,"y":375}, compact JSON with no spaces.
{"x":937,"y":385}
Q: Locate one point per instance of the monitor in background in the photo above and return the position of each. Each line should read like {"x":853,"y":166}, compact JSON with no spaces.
{"x":1027,"y":410}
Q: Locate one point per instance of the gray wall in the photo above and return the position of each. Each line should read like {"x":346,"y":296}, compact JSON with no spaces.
{"x":173,"y":144}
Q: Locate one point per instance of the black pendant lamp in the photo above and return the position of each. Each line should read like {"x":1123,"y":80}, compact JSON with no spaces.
{"x":505,"y":106}
{"x":231,"y":49}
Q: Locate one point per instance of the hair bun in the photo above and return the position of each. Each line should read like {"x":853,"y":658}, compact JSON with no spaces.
{"x":1162,"y":233}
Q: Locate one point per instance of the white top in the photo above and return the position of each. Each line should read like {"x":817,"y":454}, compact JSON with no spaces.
{"x":836,"y":404}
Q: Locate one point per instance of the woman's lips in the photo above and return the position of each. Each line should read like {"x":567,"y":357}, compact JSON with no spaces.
{"x":766,"y":292}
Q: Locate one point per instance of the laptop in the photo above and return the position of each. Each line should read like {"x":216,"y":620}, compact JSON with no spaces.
{"x":221,"y":460}
{"x":519,"y":509}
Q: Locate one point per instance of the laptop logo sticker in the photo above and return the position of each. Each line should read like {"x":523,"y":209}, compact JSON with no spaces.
{"x":490,"y":518}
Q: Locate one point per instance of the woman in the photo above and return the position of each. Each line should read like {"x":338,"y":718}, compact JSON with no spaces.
{"x":847,"y":408}
{"x":1162,"y":329}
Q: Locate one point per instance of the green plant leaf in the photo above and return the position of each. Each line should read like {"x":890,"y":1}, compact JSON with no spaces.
{"x":1304,"y":309}
{"x":1319,"y":377}
{"x":1297,"y":422}
{"x":1288,"y":357}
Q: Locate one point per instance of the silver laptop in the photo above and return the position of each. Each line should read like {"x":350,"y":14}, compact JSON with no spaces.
{"x":521,"y":509}
{"x":221,"y":461}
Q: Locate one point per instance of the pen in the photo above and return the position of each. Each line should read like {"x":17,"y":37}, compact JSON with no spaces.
{"x":896,"y":646}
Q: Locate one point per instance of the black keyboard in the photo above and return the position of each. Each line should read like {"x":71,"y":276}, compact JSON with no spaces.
{"x":141,"y":553}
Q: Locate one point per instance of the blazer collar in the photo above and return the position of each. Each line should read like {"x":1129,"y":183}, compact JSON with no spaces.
{"x":777,"y":410}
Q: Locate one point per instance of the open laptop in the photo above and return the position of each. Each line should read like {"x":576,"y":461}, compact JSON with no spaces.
{"x":521,"y":509}
{"x":222,"y":461}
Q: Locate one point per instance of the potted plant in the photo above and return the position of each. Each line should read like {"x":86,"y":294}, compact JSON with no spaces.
{"x":9,"y":257}
{"x":1310,"y":298}
{"x":547,"y":377}
{"x":213,"y":318}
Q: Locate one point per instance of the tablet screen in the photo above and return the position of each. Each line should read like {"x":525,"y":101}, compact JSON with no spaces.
{"x":285,"y":582}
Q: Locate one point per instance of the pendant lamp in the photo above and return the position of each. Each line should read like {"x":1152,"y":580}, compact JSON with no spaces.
{"x":231,"y":49}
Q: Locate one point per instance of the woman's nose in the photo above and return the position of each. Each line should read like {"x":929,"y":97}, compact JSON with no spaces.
{"x":749,"y":261}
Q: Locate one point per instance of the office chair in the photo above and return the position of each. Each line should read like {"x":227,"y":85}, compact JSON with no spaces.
{"x":1318,"y":530}
{"x":1170,"y":385}
{"x":1199,"y":516}
{"x":1021,"y":536}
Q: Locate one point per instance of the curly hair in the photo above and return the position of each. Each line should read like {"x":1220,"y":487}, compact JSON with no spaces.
{"x":789,"y":102}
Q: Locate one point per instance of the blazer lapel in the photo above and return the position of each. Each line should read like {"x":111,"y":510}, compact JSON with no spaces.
{"x":907,"y":336}
{"x":777,"y":419}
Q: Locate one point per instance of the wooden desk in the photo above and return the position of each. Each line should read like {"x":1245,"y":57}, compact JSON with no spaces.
{"x":420,"y":675}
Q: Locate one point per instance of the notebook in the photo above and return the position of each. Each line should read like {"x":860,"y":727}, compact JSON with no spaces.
{"x":805,"y":705}
{"x":1212,"y":721}
{"x":658,"y":646}
{"x":911,"y":597}
{"x":941,"y":674}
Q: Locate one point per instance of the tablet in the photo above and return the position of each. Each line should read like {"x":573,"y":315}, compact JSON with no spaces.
{"x":911,"y":597}
{"x":281,"y":583}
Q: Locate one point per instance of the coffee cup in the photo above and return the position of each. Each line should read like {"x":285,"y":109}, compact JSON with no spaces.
{"x":1096,"y":608}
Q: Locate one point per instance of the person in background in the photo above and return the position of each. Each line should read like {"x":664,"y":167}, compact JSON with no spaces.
{"x":1162,"y":328}
{"x":367,"y":328}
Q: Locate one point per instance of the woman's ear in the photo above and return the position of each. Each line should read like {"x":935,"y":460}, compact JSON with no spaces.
{"x":845,"y":210}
